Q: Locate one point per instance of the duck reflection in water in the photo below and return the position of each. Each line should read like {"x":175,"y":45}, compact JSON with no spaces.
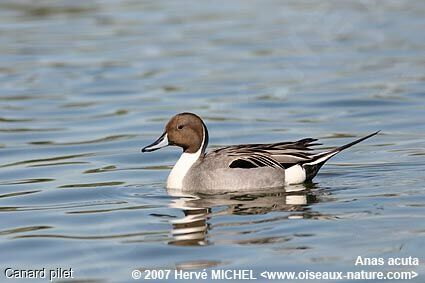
{"x":193,"y":228}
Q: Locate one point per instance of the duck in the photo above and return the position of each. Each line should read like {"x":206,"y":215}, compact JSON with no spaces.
{"x":244,"y":167}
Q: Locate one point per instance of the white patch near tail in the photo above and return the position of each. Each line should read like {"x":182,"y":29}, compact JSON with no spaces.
{"x":295,"y":175}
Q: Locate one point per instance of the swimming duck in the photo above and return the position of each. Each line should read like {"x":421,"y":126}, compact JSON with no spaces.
{"x":237,"y":167}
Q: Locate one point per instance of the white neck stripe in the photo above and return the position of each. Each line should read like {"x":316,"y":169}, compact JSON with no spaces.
{"x":182,"y":166}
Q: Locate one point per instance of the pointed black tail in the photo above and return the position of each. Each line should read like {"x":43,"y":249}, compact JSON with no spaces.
{"x":341,"y":148}
{"x":314,"y":166}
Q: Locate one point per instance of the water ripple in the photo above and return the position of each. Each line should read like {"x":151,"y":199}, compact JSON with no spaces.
{"x":100,"y":140}
{"x":90,"y":185}
{"x":61,"y":207}
{"x":47,"y":159}
{"x":26,"y":181}
{"x":18,"y":193}
{"x":23,"y":230}
{"x":98,"y":237}
{"x":85,"y":84}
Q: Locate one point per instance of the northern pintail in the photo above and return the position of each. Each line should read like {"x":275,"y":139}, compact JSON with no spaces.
{"x":237,"y":167}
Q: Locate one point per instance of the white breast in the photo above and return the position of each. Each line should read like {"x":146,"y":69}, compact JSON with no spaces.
{"x":180,"y":169}
{"x":182,"y":166}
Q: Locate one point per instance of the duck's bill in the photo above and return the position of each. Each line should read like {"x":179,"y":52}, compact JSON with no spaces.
{"x":161,"y":142}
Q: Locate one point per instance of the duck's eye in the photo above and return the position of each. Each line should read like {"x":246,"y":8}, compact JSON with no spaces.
{"x":180,"y":127}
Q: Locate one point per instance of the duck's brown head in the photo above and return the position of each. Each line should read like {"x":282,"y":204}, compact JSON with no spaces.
{"x":185,"y":130}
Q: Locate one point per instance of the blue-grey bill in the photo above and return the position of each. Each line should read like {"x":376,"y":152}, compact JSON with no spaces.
{"x":161,"y":142}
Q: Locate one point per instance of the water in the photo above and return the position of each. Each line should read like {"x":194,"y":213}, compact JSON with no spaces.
{"x":84,"y":85}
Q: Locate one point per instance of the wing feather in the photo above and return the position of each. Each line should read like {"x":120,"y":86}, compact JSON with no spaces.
{"x":274,"y":155}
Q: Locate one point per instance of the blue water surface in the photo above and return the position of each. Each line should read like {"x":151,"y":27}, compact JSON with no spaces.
{"x":84,"y":85}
